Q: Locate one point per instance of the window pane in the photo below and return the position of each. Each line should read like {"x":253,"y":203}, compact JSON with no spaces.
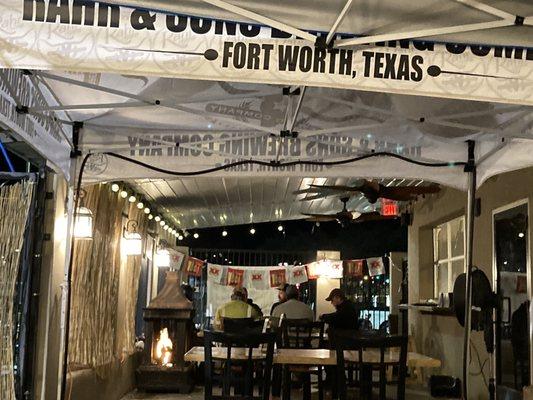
{"x":442,"y":247}
{"x":458,"y":237}
{"x":458,"y":267}
{"x":511,"y":239}
{"x":442,"y":278}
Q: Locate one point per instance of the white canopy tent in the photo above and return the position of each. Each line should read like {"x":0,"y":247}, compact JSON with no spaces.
{"x":148,"y":94}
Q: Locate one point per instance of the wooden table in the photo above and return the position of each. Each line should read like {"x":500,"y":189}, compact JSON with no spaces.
{"x":314,"y":356}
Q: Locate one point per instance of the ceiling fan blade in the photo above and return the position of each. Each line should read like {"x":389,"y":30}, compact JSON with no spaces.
{"x":317,"y":196}
{"x":337,"y":188}
{"x":320,"y":217}
{"x":373,"y":216}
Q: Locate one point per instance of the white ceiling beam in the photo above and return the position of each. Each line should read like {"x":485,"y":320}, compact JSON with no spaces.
{"x":261,"y":19}
{"x":338,"y":21}
{"x":424,"y":33}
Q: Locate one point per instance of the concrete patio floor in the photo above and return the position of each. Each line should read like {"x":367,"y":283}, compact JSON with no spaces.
{"x":412,"y":393}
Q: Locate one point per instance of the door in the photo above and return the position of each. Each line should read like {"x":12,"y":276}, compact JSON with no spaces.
{"x":511,"y":244}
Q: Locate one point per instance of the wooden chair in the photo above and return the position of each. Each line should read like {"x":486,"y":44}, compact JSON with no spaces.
{"x":241,"y":325}
{"x":298,"y":334}
{"x":346,"y":341}
{"x":256,"y":351}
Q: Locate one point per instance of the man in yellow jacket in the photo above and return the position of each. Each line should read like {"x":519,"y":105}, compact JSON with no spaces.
{"x":237,"y":307}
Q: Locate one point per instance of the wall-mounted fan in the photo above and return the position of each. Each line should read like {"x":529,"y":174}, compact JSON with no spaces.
{"x":348,"y":217}
{"x":484,"y":300}
{"x":373,"y":190}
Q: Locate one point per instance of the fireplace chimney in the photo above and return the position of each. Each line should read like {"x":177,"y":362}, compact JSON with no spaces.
{"x":168,"y":337}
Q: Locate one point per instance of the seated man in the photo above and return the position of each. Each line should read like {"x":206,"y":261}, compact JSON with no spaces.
{"x":282,"y":296}
{"x":236,"y":308}
{"x":292,"y":307}
{"x":346,"y":315}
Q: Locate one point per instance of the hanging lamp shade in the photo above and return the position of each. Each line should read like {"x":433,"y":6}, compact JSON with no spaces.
{"x":83,"y":223}
{"x":133,"y":244}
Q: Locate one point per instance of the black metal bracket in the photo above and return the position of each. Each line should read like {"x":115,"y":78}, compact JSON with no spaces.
{"x":275,"y":163}
{"x":288,"y":134}
{"x":76,"y":128}
{"x":320,"y":43}
{"x":22,"y":109}
{"x":471,"y":163}
{"x":287,"y":91}
{"x":519,"y":20}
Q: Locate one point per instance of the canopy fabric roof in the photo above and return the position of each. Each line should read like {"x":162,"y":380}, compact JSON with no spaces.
{"x":371,"y":17}
{"x":178,"y":126}
{"x":201,"y":124}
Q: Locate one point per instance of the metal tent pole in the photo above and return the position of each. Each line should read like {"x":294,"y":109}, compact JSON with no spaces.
{"x":470,"y":169}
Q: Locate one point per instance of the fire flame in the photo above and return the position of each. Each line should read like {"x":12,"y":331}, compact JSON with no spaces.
{"x":163,"y":348}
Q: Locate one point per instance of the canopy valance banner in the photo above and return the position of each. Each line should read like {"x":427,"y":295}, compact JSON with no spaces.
{"x":44,"y":133}
{"x":97,"y":36}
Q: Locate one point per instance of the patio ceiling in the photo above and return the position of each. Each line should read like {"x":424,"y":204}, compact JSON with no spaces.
{"x":208,"y":202}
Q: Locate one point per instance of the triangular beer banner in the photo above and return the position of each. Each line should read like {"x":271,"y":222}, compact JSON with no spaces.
{"x":297,"y":274}
{"x":258,"y":278}
{"x":215,"y":273}
{"x":375,"y":266}
{"x":193,"y":266}
{"x":312,"y":270}
{"x":278,"y":277}
{"x":176,"y":259}
{"x":335,"y":269}
{"x":235,"y":277}
{"x":354,"y":268}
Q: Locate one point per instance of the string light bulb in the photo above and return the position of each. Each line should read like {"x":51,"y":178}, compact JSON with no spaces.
{"x":196,"y":235}
{"x":115,"y":188}
{"x":224,"y":233}
{"x":252,"y":231}
{"x":280,"y":228}
{"x":140,"y":205}
{"x":162,"y":223}
{"x":150,"y":217}
{"x":132,"y":199}
{"x":123,"y":194}
{"x":157,"y":218}
{"x":146,"y":210}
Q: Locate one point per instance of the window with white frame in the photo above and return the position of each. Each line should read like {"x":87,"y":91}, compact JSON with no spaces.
{"x":448,"y":254}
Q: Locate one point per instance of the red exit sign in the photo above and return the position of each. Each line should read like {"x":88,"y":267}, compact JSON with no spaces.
{"x":389,"y":207}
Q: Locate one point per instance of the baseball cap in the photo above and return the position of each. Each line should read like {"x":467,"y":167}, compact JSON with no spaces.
{"x":239,"y":290}
{"x":335,"y":292}
{"x":283,"y":286}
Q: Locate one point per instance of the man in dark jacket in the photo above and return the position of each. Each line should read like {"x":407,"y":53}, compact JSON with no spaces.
{"x":346,"y":315}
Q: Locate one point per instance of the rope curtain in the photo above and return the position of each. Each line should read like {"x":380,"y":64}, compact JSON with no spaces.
{"x":95,"y":282}
{"x":15,"y":202}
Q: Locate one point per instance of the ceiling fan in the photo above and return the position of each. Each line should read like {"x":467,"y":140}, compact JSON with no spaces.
{"x":345,"y":216}
{"x":374,"y":190}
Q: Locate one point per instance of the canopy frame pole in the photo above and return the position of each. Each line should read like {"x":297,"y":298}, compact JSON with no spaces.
{"x":93,"y":86}
{"x":261,"y":19}
{"x":425,"y":33}
{"x":487,"y":9}
{"x":338,"y":21}
{"x":94,"y":106}
{"x":471,"y":170}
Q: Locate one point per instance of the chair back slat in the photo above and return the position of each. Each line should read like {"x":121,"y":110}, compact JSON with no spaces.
{"x":239,"y":373}
{"x":351,"y":341}
{"x":298,"y":333}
